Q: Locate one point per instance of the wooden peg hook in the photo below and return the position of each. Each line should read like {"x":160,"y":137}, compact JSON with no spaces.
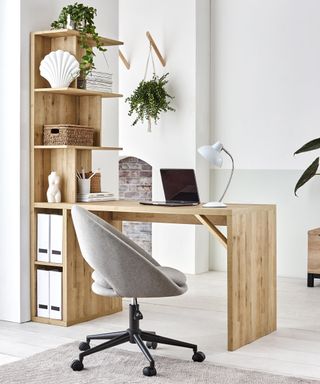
{"x":156,"y":50}
{"x":124,"y":60}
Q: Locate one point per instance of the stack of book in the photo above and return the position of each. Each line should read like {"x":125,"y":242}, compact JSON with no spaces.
{"x":99,"y":196}
{"x":99,"y":81}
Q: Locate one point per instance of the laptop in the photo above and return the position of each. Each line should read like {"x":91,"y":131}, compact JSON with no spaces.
{"x":179,"y":186}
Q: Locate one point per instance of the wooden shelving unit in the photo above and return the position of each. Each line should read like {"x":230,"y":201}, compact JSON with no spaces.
{"x":64,"y":106}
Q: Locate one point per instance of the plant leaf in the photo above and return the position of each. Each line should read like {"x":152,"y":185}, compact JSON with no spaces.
{"x":310,"y":146}
{"x":307,"y":175}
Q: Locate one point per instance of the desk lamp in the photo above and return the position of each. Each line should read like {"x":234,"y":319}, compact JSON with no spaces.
{"x":212,"y":153}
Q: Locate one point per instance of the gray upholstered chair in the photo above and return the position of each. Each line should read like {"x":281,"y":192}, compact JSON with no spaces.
{"x":122,"y":268}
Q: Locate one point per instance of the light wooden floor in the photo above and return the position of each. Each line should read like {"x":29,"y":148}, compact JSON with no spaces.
{"x":200,"y":317}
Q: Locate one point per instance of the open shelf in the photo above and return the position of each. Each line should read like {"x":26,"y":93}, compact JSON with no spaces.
{"x":70,"y":32}
{"x":77,"y":92}
{"x":78,"y":147}
{"x":48,"y":264}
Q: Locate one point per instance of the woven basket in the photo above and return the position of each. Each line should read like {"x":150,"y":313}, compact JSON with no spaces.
{"x":68,"y":134}
{"x":95,"y":182}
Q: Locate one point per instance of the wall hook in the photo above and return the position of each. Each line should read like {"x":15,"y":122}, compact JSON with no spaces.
{"x":156,"y":50}
{"x":124,"y":60}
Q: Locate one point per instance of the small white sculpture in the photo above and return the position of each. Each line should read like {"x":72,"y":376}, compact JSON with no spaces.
{"x":53,"y":192}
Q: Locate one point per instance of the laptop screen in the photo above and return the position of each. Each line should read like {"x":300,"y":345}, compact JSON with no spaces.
{"x":179,"y":185}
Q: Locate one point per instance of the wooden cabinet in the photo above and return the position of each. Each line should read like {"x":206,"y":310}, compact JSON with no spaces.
{"x":64,"y":106}
{"x":313,"y":256}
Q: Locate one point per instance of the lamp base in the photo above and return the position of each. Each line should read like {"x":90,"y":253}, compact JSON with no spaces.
{"x":214,"y":204}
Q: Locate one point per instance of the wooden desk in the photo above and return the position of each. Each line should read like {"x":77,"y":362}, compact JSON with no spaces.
{"x":251,"y":253}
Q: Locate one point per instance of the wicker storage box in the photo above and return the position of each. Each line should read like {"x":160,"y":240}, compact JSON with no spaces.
{"x":95,"y":182}
{"x":67,"y":134}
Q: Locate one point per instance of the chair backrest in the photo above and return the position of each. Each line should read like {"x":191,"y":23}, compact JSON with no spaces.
{"x":128,"y":269}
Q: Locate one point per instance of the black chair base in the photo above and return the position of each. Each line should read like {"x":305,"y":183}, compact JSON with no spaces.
{"x":133,"y":335}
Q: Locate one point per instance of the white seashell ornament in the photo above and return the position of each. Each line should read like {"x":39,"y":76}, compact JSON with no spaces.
{"x":60,"y":68}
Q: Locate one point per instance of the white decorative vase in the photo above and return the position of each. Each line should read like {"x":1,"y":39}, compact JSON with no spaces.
{"x":53,"y":192}
{"x":60,"y":68}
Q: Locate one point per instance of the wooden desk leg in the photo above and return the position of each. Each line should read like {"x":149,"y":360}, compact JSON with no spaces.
{"x":251,"y":275}
{"x":117,"y":224}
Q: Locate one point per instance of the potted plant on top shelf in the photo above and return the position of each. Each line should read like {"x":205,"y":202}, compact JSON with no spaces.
{"x":81,"y":18}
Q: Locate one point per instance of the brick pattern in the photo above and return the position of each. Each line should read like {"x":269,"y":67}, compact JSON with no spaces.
{"x":135,"y":183}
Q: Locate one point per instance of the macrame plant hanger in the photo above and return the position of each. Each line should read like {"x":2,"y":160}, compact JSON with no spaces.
{"x":150,"y":54}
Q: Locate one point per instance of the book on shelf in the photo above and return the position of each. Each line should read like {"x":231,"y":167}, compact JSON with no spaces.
{"x":97,"y":81}
{"x":99,"y":75}
{"x":98,"y":196}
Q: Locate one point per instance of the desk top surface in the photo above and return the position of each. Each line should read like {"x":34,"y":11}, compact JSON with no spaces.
{"x":134,"y":206}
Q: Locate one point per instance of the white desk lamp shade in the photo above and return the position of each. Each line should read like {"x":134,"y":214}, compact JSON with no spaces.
{"x":212,"y":153}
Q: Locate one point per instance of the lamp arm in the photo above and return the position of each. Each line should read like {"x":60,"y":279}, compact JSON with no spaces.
{"x":231,"y":174}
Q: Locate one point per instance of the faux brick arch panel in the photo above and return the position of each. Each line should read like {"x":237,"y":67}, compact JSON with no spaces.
{"x":135,"y":183}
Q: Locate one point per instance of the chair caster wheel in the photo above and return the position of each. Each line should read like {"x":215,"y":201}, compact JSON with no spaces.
{"x":198,"y":357}
{"x":84,"y":346}
{"x":149,"y":371}
{"x":77,"y":365}
{"x":152,"y":344}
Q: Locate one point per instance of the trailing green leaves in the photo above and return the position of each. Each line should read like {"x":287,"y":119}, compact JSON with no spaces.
{"x":149,"y":99}
{"x":83,"y":19}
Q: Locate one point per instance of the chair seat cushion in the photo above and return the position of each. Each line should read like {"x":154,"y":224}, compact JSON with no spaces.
{"x":99,"y":279}
{"x":103,"y":291}
{"x":176,"y":276}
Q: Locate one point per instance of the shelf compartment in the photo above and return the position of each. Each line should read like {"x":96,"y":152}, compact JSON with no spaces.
{"x":42,"y":43}
{"x":63,"y":161}
{"x":53,"y":34}
{"x":52,"y":108}
{"x":78,"y":147}
{"x":77,"y":92}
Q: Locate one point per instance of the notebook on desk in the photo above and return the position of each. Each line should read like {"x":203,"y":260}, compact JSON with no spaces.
{"x":179,"y":186}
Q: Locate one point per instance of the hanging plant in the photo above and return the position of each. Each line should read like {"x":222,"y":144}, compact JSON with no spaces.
{"x":82,"y":19}
{"x":149,"y":99}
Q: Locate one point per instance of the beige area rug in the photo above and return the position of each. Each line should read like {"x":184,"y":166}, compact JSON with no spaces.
{"x":118,"y":367}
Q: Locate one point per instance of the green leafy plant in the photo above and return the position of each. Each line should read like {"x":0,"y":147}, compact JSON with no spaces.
{"x":83,"y":19}
{"x":311,"y":171}
{"x":149,"y":99}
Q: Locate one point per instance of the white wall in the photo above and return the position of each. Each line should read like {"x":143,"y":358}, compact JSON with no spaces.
{"x":181,"y":30}
{"x":265,"y":105}
{"x":266,"y":79}
{"x":20,"y":18}
{"x":10,"y":154}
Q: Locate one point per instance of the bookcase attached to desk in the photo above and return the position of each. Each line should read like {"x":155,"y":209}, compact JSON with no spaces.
{"x":64,"y":106}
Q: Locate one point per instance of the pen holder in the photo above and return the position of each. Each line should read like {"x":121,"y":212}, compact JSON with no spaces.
{"x":95,"y":185}
{"x":84,"y":186}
